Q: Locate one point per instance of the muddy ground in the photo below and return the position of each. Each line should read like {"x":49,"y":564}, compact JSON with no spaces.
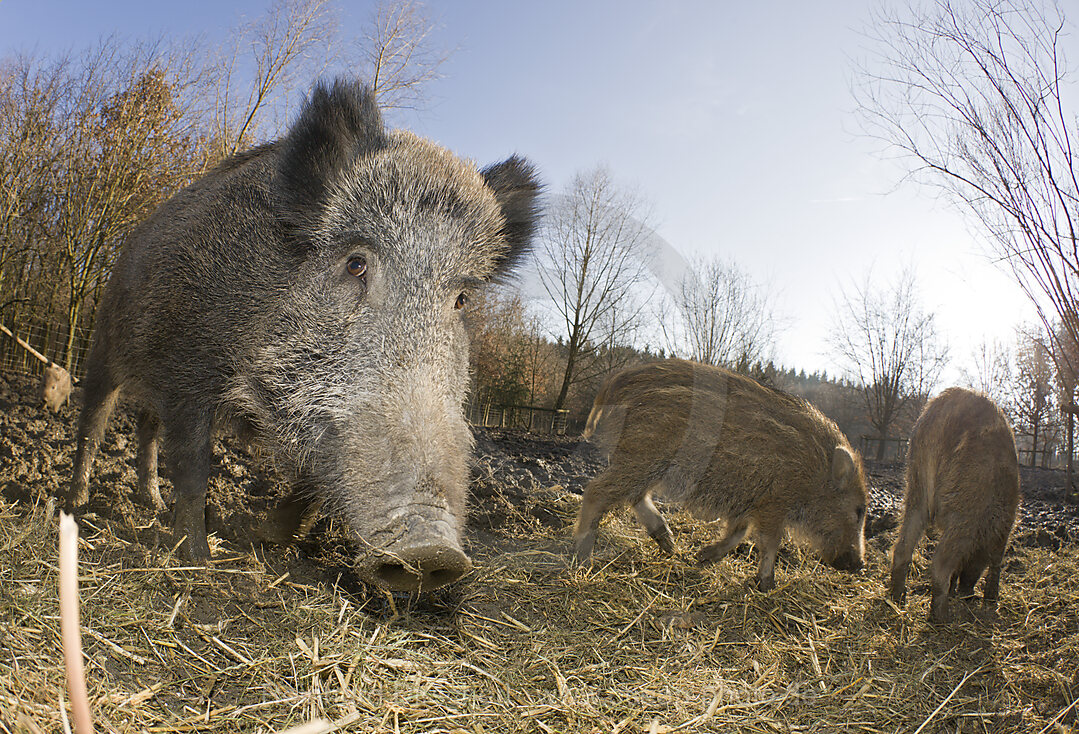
{"x":272,"y":638}
{"x":517,"y":478}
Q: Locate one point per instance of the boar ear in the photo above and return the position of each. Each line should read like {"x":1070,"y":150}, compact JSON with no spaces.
{"x":842,"y":466}
{"x":517,"y":189}
{"x":336,"y":124}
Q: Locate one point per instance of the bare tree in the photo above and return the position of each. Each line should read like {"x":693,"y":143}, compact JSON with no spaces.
{"x":977,"y":98}
{"x":127,"y":147}
{"x":30,"y":93}
{"x":992,"y":371}
{"x":593,"y":260}
{"x":720,"y":316}
{"x":91,"y":144}
{"x":1033,"y":398}
{"x":397,"y":56}
{"x":293,"y":38}
{"x":1065,"y":354}
{"x":890,"y":346}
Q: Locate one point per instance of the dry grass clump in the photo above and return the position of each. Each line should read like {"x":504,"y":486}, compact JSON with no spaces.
{"x":528,"y":643}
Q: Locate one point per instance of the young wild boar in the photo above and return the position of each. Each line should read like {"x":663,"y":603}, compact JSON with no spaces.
{"x":55,"y":387}
{"x":724,"y":446}
{"x":962,"y":476}
{"x":311,"y":290}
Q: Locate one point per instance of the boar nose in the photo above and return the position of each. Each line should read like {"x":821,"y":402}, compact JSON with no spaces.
{"x":849,"y":561}
{"x":419,"y":566}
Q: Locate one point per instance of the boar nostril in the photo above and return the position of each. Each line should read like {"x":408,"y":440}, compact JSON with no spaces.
{"x":394,"y":575}
{"x":421,"y":568}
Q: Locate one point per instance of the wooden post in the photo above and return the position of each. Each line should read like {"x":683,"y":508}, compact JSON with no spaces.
{"x":24,"y":345}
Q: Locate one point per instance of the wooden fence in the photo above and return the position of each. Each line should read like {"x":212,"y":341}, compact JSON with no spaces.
{"x":522,"y":417}
{"x":49,"y":339}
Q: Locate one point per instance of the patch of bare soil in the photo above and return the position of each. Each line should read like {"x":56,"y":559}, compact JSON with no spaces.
{"x":271,"y":636}
{"x":1044,"y":520}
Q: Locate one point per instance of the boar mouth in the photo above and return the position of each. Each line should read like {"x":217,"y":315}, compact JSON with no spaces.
{"x":848,"y":561}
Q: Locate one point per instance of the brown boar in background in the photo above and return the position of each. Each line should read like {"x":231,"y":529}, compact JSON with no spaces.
{"x":55,"y":387}
{"x":724,"y":446}
{"x":963,"y":477}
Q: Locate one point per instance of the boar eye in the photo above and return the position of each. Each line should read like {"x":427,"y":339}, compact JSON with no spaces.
{"x":861,"y":512}
{"x":357,"y":267}
{"x":461,"y":301}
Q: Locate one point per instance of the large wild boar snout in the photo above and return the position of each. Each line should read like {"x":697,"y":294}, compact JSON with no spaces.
{"x":414,"y":536}
{"x":425,"y":555}
{"x":418,"y":564}
{"x":849,"y":561}
{"x":853,"y":558}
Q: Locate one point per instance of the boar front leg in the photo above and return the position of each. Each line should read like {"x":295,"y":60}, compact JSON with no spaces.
{"x":914,"y":522}
{"x":945,"y":567}
{"x":99,"y":397}
{"x":649,"y":517}
{"x":146,"y":467}
{"x":969,"y":575}
{"x":599,"y":496}
{"x":293,"y":519}
{"x":714,"y":553}
{"x":768,"y":547}
{"x":189,"y":450}
{"x":991,"y":587}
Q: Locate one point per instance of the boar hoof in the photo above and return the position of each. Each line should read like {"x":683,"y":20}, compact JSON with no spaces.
{"x":151,"y":497}
{"x":78,"y":495}
{"x":664,"y":539}
{"x":582,"y":549}
{"x":189,"y":523}
{"x":766,"y":583}
{"x":710,"y":554}
{"x":939,"y":612}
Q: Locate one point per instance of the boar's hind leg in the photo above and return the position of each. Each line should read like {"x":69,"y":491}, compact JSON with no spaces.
{"x":187,"y":443}
{"x":653,"y":522}
{"x":969,"y":575}
{"x":768,"y":547}
{"x":98,"y":398}
{"x":736,"y":532}
{"x":947,"y":561}
{"x":599,"y":496}
{"x":991,"y":588}
{"x":146,"y":469}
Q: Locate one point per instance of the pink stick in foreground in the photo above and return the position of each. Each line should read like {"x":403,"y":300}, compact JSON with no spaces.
{"x":69,"y":624}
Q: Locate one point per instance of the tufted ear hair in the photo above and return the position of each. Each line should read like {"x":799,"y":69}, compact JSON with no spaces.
{"x":336,"y":124}
{"x":517,"y":189}
{"x":843,"y":467}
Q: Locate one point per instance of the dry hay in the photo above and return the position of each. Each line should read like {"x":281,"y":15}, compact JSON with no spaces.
{"x":634,"y":643}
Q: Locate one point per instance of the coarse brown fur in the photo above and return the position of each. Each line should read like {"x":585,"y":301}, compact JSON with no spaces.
{"x":962,"y":477}
{"x":724,"y":446}
{"x":309,"y":290}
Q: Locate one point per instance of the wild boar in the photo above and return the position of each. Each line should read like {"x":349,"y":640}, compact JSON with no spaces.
{"x":724,"y":446}
{"x":310,"y":290}
{"x":963,"y":477}
{"x":55,"y":387}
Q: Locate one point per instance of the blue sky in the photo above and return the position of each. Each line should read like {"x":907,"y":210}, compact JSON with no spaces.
{"x":734,"y":120}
